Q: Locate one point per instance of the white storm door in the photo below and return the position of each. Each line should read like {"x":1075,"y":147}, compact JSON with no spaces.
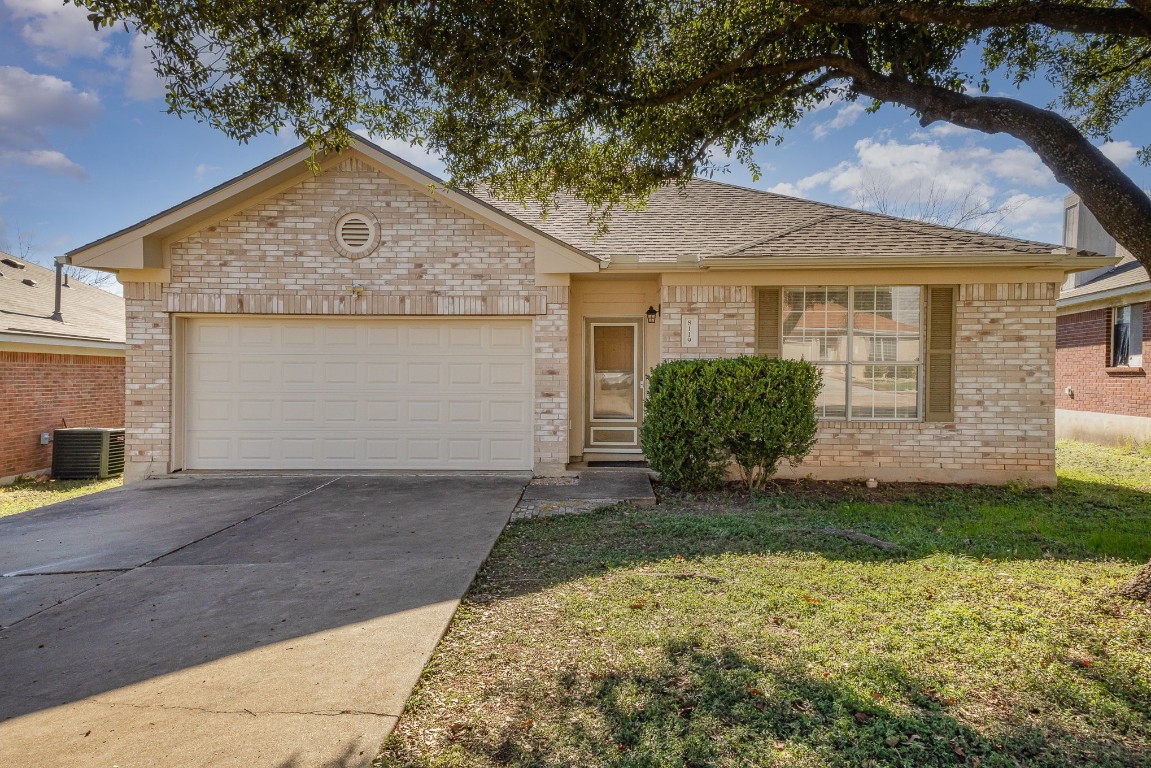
{"x":327,"y":393}
{"x":614,"y":397}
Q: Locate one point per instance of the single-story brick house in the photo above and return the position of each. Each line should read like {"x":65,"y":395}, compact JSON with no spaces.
{"x":54,"y":372}
{"x":366,"y":316}
{"x":1103,"y":341}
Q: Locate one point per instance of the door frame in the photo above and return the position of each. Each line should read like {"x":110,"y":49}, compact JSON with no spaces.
{"x":639,"y":390}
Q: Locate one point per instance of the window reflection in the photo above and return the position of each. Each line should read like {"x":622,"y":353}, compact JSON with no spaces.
{"x":867,"y":341}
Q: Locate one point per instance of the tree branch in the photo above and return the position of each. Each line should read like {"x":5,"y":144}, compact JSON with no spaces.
{"x":1061,"y":17}
{"x":1117,"y":202}
{"x":1143,"y":6}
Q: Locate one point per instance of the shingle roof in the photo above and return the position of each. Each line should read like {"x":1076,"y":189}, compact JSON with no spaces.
{"x":90,"y":314}
{"x":712,"y":220}
{"x":1128,"y":273}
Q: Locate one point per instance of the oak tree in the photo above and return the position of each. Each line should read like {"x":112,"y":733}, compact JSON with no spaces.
{"x":611,"y":97}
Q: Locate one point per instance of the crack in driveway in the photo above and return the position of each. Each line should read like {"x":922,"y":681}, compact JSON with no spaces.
{"x":121,"y":571}
{"x":246,"y":711}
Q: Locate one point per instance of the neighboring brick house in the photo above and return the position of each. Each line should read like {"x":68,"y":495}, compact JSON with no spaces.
{"x":1104,"y":340}
{"x":54,"y":373}
{"x":367,"y":317}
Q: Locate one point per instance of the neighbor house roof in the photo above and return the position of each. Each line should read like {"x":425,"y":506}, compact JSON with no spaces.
{"x":91,"y":316}
{"x":1128,"y":274}
{"x":833,"y":317}
{"x":722,"y":224}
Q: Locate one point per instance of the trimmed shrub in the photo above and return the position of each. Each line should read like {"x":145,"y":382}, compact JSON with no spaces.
{"x":679,"y":435}
{"x":702,"y":415}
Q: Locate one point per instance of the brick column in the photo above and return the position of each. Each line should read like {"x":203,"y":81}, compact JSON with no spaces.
{"x":148,"y":382}
{"x":551,"y":384}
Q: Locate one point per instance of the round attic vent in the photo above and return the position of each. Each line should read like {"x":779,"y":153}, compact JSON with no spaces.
{"x":355,"y":233}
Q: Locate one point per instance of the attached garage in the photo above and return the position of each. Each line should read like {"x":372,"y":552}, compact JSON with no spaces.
{"x":265,"y":392}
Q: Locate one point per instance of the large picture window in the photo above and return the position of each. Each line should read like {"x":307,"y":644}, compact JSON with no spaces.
{"x":868,"y":342}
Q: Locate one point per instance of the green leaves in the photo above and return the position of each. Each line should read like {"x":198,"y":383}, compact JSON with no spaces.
{"x":702,"y":415}
{"x":610,"y":98}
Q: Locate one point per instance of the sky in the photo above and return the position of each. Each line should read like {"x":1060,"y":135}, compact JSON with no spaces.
{"x":87,"y":147}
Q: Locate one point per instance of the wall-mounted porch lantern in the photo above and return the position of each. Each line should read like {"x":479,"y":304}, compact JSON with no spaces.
{"x":651,"y":314}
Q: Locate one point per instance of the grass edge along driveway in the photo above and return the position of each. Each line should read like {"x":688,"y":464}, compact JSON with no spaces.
{"x":33,"y":493}
{"x":723,"y":631}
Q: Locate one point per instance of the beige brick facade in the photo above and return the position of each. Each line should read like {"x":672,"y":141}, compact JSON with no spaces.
{"x":147,"y":381}
{"x":551,"y":383}
{"x":1004,"y":356}
{"x":277,"y":257}
{"x":726,"y":320}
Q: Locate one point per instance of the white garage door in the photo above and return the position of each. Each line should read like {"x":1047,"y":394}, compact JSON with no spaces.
{"x":274,"y":393}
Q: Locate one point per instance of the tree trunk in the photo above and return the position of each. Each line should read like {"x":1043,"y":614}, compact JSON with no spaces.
{"x":1117,"y":202}
{"x":1139,"y":588}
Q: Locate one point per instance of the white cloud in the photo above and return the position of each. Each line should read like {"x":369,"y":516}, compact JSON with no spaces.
{"x":49,"y":160}
{"x":203,"y":171}
{"x":910,"y":166}
{"x":58,"y":32}
{"x":143,"y":83}
{"x":30,"y":103}
{"x":809,"y":183}
{"x":1019,"y":165}
{"x":844,"y":117}
{"x":943,"y":130}
{"x":1119,"y":152}
{"x":786,"y":188}
{"x":1033,"y":216}
{"x":1007,"y":189}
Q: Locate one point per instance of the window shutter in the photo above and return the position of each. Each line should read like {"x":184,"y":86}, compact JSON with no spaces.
{"x":768,"y":322}
{"x":939,"y":392}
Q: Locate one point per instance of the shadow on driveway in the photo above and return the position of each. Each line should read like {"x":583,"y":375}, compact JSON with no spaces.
{"x":232,"y":620}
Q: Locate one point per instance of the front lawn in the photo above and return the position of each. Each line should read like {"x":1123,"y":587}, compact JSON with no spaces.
{"x":728,"y":632}
{"x":40,"y":492}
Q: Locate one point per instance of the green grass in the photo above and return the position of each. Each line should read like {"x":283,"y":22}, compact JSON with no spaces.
{"x":30,"y":494}
{"x":726,"y":631}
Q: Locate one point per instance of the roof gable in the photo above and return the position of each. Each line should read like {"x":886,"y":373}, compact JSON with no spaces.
{"x":1126,"y":276}
{"x":141,"y":246}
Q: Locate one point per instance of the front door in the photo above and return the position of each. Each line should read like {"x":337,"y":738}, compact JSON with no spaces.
{"x":614,"y":396}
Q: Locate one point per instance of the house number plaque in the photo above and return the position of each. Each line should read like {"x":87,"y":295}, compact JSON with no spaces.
{"x":689,"y":330}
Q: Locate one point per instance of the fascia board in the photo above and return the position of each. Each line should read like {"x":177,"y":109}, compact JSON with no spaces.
{"x":141,"y":246}
{"x":40,"y":339}
{"x":143,"y":240}
{"x":1060,"y":260}
{"x":1133,"y":294}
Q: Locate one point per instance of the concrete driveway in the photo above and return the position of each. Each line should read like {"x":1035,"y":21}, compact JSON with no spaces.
{"x":232,"y":621}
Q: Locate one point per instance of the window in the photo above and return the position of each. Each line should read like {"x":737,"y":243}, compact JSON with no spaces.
{"x":1126,"y":336}
{"x":868,"y":342}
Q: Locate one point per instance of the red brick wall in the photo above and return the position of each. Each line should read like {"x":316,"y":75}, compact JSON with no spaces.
{"x":1081,"y":362}
{"x":39,"y":392}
